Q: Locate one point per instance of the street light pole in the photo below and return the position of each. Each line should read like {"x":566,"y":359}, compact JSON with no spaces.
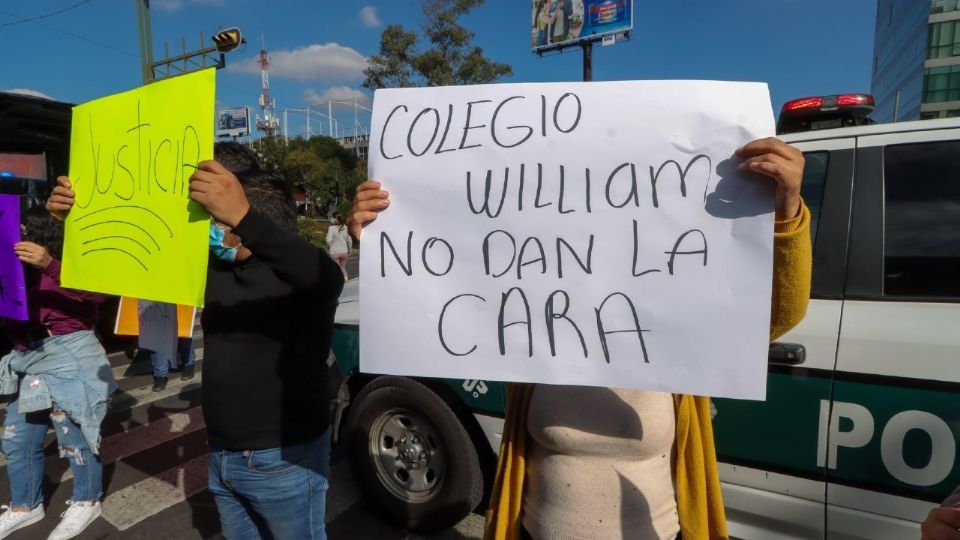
{"x":356,"y":114}
{"x":188,"y":61}
{"x":587,"y":60}
{"x":308,"y":111}
{"x":146,"y":40}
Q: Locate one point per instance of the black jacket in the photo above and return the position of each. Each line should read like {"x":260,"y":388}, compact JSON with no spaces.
{"x":267,"y":326}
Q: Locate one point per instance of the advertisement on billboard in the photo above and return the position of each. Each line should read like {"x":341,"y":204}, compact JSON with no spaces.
{"x":555,"y":23}
{"x":233,"y":122}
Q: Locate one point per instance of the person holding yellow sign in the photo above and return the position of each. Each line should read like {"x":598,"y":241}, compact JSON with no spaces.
{"x":267,"y":328}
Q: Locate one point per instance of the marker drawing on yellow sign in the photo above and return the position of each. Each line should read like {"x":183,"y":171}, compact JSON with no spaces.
{"x":133,"y":230}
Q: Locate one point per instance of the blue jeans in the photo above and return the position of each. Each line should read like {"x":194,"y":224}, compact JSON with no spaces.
{"x":22,"y":443}
{"x":277,"y":493}
{"x":185,"y":357}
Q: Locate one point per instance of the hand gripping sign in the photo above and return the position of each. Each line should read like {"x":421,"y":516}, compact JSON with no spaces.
{"x":133,"y":229}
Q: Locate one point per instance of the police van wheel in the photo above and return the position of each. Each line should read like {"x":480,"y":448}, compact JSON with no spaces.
{"x":411,"y":456}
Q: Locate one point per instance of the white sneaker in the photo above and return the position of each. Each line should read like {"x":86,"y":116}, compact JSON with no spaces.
{"x":13,"y":521}
{"x":75,"y":519}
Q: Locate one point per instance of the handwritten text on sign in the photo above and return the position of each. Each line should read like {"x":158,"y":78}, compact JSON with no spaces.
{"x":133,"y":230}
{"x":590,"y":234}
{"x":158,"y":329}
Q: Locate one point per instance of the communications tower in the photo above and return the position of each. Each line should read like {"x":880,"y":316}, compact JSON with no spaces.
{"x":269,"y":124}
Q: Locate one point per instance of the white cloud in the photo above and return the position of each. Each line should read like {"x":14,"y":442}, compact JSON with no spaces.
{"x":336,"y":93}
{"x":176,"y":5}
{"x":329,"y":61}
{"x":369,"y":17}
{"x":27,"y":92}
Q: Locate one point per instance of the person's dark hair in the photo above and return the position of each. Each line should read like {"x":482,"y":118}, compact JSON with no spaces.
{"x":43,"y":229}
{"x":267,"y":191}
{"x":237,"y":158}
{"x":271,"y":194}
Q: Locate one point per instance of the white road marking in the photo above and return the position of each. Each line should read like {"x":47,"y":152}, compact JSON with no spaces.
{"x":131,"y":505}
{"x":143,"y":396}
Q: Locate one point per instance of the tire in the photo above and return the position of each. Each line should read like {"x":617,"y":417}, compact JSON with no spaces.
{"x":411,"y":456}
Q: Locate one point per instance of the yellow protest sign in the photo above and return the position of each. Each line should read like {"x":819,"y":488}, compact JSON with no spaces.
{"x":133,"y":229}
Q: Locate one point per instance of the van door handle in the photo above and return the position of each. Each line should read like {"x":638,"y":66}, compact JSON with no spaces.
{"x":787,"y":353}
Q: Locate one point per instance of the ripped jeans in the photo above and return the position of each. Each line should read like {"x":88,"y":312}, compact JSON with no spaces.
{"x":22,"y":442}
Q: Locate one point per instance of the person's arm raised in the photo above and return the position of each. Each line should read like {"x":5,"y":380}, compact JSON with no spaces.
{"x":294,"y":260}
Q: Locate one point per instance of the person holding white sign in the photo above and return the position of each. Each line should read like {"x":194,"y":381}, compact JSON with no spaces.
{"x":635,"y":464}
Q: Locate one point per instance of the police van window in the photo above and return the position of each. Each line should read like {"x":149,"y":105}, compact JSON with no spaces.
{"x":814,"y":177}
{"x":921,"y":220}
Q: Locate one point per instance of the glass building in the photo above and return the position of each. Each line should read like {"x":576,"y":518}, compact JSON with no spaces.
{"x":916,"y":60}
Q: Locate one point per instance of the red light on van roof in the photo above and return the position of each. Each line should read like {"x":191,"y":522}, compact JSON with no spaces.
{"x":803,"y":103}
{"x":828,"y":102}
{"x":854,"y":99}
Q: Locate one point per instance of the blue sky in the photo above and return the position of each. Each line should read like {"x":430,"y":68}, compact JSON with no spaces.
{"x":319,"y":47}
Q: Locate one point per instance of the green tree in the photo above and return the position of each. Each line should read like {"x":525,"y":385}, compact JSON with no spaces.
{"x":272,"y":150}
{"x":450,"y":57}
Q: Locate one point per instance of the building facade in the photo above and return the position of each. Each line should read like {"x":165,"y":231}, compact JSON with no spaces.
{"x":916,"y":60}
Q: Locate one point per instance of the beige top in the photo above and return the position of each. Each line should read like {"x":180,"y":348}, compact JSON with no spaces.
{"x":600,"y":464}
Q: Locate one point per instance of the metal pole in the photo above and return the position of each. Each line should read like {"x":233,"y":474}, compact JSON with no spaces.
{"x":587,"y":60}
{"x":146,"y":39}
{"x":330,"y":118}
{"x":286,"y":135}
{"x":896,"y":107}
{"x":308,"y":124}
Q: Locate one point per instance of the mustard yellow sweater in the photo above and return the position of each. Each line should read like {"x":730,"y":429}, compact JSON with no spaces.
{"x":699,"y":500}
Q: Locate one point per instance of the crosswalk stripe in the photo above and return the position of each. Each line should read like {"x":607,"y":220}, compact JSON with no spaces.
{"x":131,"y":505}
{"x":142,"y":396}
{"x":131,"y":369}
{"x":136,"y":440}
{"x":141,"y":368}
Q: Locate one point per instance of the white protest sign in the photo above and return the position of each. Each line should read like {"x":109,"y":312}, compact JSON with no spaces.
{"x":579,"y":233}
{"x":158,"y":329}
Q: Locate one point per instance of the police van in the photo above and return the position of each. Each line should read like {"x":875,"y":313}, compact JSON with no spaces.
{"x":858,"y":436}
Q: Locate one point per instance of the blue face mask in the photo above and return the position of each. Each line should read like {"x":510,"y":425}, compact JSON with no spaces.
{"x":220,"y":251}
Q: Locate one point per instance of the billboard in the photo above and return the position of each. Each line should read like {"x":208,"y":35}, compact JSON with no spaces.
{"x":233,"y":122}
{"x":556,"y":23}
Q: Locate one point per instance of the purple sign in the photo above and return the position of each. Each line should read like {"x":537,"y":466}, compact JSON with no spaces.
{"x":13,"y":293}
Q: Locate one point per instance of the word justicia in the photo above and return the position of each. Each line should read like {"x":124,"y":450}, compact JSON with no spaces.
{"x":137,"y":161}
